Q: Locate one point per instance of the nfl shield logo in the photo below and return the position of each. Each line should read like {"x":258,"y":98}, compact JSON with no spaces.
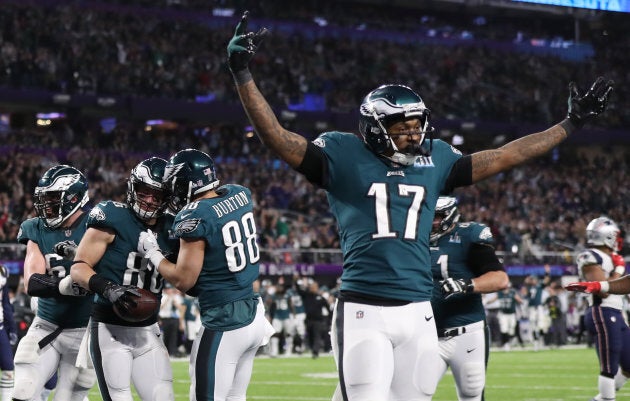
{"x":360,"y":314}
{"x":68,"y":233}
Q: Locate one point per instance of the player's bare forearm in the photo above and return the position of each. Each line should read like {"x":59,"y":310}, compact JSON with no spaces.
{"x":620,"y":285}
{"x":290,"y":146}
{"x":491,"y":282}
{"x":490,"y":162}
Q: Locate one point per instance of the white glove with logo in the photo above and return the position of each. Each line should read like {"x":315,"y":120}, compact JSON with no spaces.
{"x":150,"y":249}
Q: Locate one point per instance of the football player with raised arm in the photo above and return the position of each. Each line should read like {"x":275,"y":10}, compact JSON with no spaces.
{"x":8,"y":337}
{"x":599,"y":266}
{"x":107,"y":263}
{"x":52,"y":341}
{"x":382,"y":188}
{"x":464,"y":266}
{"x":217,"y":262}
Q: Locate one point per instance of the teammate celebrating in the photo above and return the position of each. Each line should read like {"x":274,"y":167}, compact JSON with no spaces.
{"x":604,"y":317}
{"x":218,"y":262}
{"x":382,"y":188}
{"x":52,"y":341}
{"x":123,"y":351}
{"x":464,"y":266}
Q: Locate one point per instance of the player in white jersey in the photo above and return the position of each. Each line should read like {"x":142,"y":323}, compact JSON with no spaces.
{"x":604,"y":316}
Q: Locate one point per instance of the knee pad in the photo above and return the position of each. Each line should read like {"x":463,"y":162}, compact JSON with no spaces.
{"x":86,"y":378}
{"x":163,"y":392}
{"x":24,"y":387}
{"x":27,"y":350}
{"x":473,"y":380}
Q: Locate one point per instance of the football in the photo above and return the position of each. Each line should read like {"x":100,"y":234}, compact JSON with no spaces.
{"x":146,"y":306}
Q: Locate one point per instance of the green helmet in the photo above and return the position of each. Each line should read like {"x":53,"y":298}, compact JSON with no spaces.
{"x":381,"y":107}
{"x":147,"y":175}
{"x":60,"y":192}
{"x":189,"y":172}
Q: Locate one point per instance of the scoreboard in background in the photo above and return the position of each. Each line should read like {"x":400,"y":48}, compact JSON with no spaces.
{"x":604,"y":5}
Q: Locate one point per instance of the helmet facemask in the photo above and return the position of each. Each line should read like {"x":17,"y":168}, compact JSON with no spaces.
{"x":60,"y":192}
{"x":602,"y":231}
{"x":446,"y":208}
{"x":146,"y":194}
{"x":382,"y":108}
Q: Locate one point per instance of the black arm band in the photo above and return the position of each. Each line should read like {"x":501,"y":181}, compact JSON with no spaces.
{"x":460,"y":175}
{"x":483,"y":259}
{"x":98,"y":283}
{"x":314,"y":166}
{"x":568,"y":126}
{"x":43,"y":286}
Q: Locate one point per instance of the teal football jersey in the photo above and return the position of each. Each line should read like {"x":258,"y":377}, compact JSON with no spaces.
{"x":384,"y":213}
{"x":121,"y":262}
{"x":507,"y":300}
{"x":230,"y":263}
{"x":449,"y":258}
{"x":66,"y":312}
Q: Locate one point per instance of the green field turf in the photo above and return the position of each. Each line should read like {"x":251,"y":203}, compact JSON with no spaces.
{"x":549,"y":375}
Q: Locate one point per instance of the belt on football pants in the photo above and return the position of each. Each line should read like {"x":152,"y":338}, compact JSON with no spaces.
{"x":457,"y":331}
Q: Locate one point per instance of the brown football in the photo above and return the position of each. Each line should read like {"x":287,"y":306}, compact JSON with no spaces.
{"x":146,"y":306}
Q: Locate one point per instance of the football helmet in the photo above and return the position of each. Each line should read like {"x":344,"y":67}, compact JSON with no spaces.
{"x":60,"y":192}
{"x":387,"y":104}
{"x":189,"y":172}
{"x":146,"y":179}
{"x":602,"y":231}
{"x":448,"y":215}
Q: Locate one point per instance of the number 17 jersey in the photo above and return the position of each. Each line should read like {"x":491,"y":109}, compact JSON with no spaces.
{"x":384,"y":212}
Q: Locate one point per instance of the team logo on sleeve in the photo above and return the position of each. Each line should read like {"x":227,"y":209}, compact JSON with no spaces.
{"x":97,"y":214}
{"x":485,"y":234}
{"x":319,"y":142}
{"x":186,"y":226}
{"x":455,"y":150}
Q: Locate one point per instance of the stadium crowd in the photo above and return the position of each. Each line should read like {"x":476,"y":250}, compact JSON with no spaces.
{"x":152,"y":51}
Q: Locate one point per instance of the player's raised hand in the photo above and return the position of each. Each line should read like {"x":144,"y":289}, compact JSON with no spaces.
{"x":586,"y":106}
{"x":243,"y":46}
{"x":585,"y":286}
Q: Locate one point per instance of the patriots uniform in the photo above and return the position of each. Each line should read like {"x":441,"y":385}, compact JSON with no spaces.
{"x":384,"y":213}
{"x":232,"y":315}
{"x":604,"y":318}
{"x":449,"y":258}
{"x":121,"y":263}
{"x":65,"y":312}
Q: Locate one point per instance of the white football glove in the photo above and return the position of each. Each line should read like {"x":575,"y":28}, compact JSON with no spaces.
{"x":65,"y":249}
{"x":69,"y":287}
{"x":150,"y":249}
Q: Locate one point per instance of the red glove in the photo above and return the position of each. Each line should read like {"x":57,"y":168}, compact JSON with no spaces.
{"x":585,"y":286}
{"x":617,"y":260}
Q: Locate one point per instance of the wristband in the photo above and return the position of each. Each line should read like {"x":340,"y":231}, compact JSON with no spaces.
{"x":98,"y":283}
{"x":242,"y":77}
{"x":568,"y":126}
{"x":621,"y":270}
{"x":470,"y":286}
{"x":156,"y":258}
{"x":605,"y":286}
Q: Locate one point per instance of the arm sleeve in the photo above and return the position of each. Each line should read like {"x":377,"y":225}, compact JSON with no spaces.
{"x":483,"y":259}
{"x":314,"y":165}
{"x":43,"y":286}
{"x":460,"y":175}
